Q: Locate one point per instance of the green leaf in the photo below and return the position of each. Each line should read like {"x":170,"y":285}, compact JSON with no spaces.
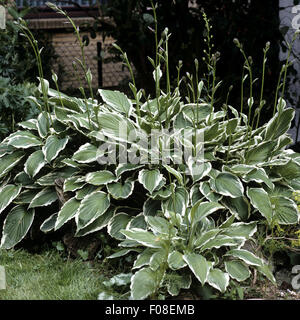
{"x":279,"y":124}
{"x":260,"y":200}
{"x":237,"y":270}
{"x":116,"y":100}
{"x":143,"y":259}
{"x":143,"y":284}
{"x":229,"y":185}
{"x":82,"y":193}
{"x":87,"y":153}
{"x":71,"y":184}
{"x":205,"y":237}
{"x":16,"y":226}
{"x":175,"y":260}
{"x":178,"y":282}
{"x":7,"y":194}
{"x":34,"y":163}
{"x":260,"y":153}
{"x":220,"y":241}
{"x":124,"y":167}
{"x":289,"y":171}
{"x":44,"y":198}
{"x":49,"y":223}
{"x":267,"y":272}
{"x":91,"y":207}
{"x":218,"y":279}
{"x":285,"y":210}
{"x":143,"y":237}
{"x":159,"y":225}
{"x":246,"y":256}
{"x":198,"y":265}
{"x":53,"y":147}
{"x":100,"y":177}
{"x":150,"y":179}
{"x":117,"y":223}
{"x":178,"y":202}
{"x":175,"y":173}
{"x":259,"y":175}
{"x":26,"y":196}
{"x":9,"y":161}
{"x":208,"y":193}
{"x":24,"y":140}
{"x":43,"y":124}
{"x":202,"y":209}
{"x":67,"y":212}
{"x":239,"y":207}
{"x":241,"y":229}
{"x":97,"y":224}
{"x":28,"y":124}
{"x":121,"y":191}
{"x":116,"y":127}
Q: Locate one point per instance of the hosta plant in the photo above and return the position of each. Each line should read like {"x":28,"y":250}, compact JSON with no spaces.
{"x":180,"y":183}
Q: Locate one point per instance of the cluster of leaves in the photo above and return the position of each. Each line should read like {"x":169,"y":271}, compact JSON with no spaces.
{"x":15,"y":105}
{"x":183,"y":220}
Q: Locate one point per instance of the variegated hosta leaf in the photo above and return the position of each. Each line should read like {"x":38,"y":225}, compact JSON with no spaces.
{"x":146,"y":238}
{"x":175,"y":260}
{"x":177,"y":202}
{"x":100,"y":177}
{"x":175,"y":173}
{"x":92,"y":207}
{"x":260,"y":200}
{"x":202,"y":209}
{"x":71,"y":184}
{"x":240,"y":229}
{"x":198,"y":265}
{"x":228,"y":184}
{"x":118,"y":223}
{"x":143,"y":259}
{"x":289,"y":171}
{"x":117,"y":127}
{"x":157,"y":259}
{"x":16,"y":226}
{"x":150,"y":179}
{"x":285,"y":210}
{"x":245,"y":256}
{"x":98,"y":224}
{"x":26,"y":196}
{"x":279,"y":124}
{"x":260,"y":153}
{"x":117,"y":100}
{"x":178,"y":282}
{"x":151,"y":207}
{"x":44,"y":198}
{"x":199,"y":170}
{"x":160,"y":225}
{"x":87,"y":189}
{"x":87,"y":153}
{"x":24,"y":140}
{"x":143,"y":284}
{"x":208,"y":193}
{"x":205,"y":237}
{"x":222,"y":241}
{"x":8,"y":161}
{"x":67,"y":212}
{"x":7,"y":194}
{"x":53,"y":147}
{"x":239,"y":207}
{"x":124,"y":167}
{"x":218,"y":279}
{"x":49,"y":224}
{"x":259,"y":175}
{"x":43,"y":124}
{"x":34,"y":163}
{"x":237,"y":270}
{"x":121,"y":191}
{"x":28,"y":124}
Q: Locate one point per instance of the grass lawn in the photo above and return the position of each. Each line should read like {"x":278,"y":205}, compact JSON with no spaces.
{"x":49,"y":276}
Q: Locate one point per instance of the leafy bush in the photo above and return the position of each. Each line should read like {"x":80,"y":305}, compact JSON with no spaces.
{"x":15,"y":105}
{"x":187,"y":217}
